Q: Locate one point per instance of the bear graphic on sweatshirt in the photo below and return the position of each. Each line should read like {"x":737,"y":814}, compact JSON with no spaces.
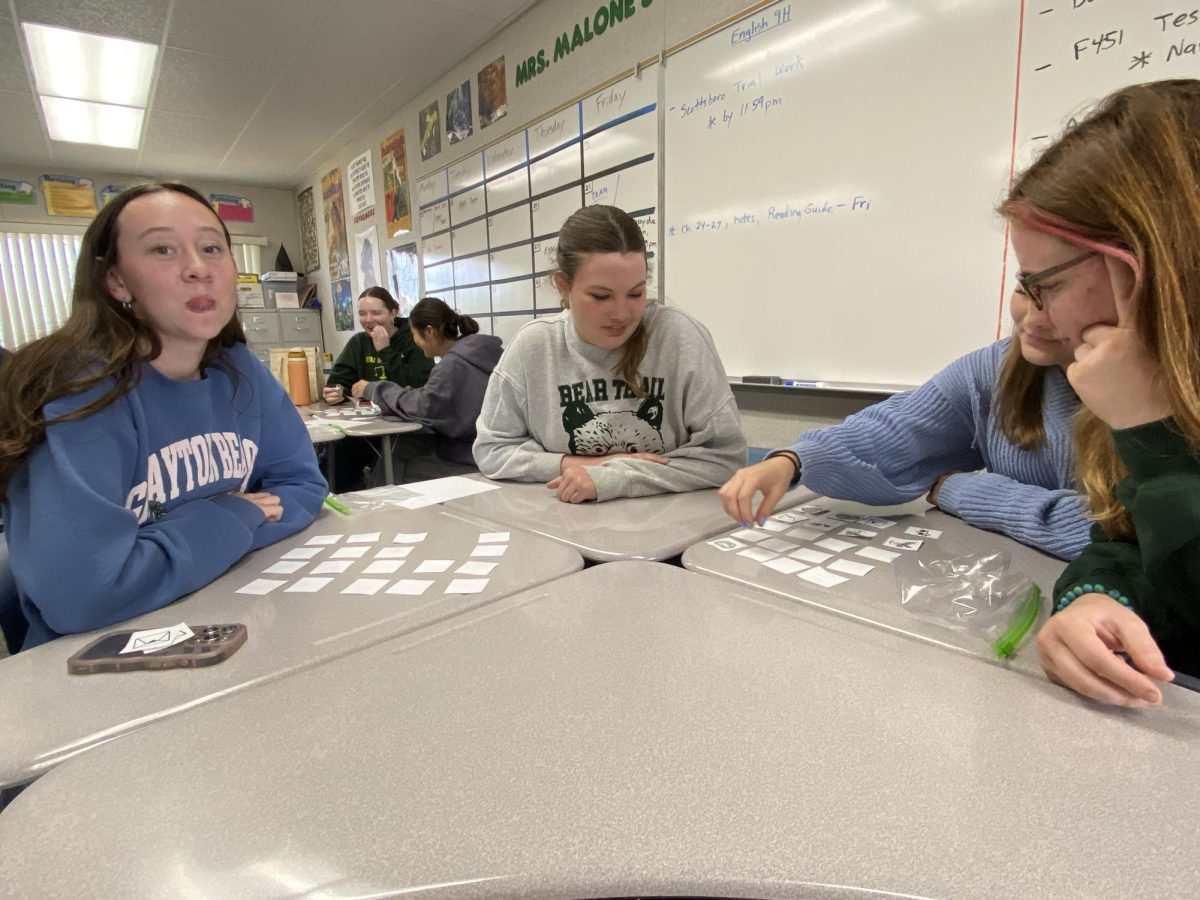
{"x":623,"y":431}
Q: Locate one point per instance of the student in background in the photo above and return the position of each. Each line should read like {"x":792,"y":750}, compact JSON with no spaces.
{"x":614,"y":396}
{"x":382,"y":351}
{"x":1006,"y":409}
{"x":449,"y":402}
{"x":1106,"y":228}
{"x":143,"y":448}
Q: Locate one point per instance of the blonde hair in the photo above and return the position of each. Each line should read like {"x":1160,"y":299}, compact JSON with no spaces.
{"x":1124,"y":182}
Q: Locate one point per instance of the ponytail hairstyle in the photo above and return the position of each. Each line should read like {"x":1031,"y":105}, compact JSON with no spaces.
{"x":605,"y":229}
{"x":437,"y":314}
{"x":1123,"y":182}
{"x":102,"y":340}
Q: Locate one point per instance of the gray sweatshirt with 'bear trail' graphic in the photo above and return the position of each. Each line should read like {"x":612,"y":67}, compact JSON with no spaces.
{"x":554,"y":394}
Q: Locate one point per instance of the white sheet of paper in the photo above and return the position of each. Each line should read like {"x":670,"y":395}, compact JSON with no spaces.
{"x":789,"y":517}
{"x":151,"y":640}
{"x":439,"y":490}
{"x":466,"y":585}
{"x":824,"y":524}
{"x":858,"y":532}
{"x":750,"y":535}
{"x":903,"y":543}
{"x":409,"y":538}
{"x":848,"y":567}
{"x":726,"y":544}
{"x":772,"y":525}
{"x":475,"y":567}
{"x":335,"y":567}
{"x":431,"y":566}
{"x":810,"y":556}
{"x":778,"y":545}
{"x":490,"y":550}
{"x":923,"y":532}
{"x":349,"y":553}
{"x":365,"y":586}
{"x":393,"y":552}
{"x":801,"y":533}
{"x":785,"y":565}
{"x":301,"y":553}
{"x":876,"y":553}
{"x":323,"y":539}
{"x":820,"y":576}
{"x":259,"y":586}
{"x":383,"y":567}
{"x":877,"y":523}
{"x":286,"y":567}
{"x":410,"y":587}
{"x":757,"y":555}
{"x":493,"y":537}
{"x":306,"y":585}
{"x":367,"y":537}
{"x":835,"y":545}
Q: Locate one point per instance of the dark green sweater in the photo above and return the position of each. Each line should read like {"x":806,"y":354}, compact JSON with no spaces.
{"x":401,"y":361}
{"x":1159,"y":572}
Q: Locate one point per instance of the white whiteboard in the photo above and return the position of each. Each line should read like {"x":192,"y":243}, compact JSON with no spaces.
{"x":832,"y":167}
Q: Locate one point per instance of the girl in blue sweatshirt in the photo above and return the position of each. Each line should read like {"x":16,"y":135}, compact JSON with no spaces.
{"x":143,"y":448}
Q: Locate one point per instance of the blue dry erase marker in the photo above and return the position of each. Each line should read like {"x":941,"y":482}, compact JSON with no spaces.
{"x":794,"y":383}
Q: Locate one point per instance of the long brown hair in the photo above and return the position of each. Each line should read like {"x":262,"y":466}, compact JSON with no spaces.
{"x":605,"y":229}
{"x":1020,"y":399}
{"x":101,"y":341}
{"x":1123,"y":182}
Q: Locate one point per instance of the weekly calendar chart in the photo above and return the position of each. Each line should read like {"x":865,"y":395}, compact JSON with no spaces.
{"x":490,"y":222}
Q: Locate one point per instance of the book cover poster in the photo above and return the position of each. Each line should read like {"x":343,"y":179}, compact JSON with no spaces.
{"x":343,"y":306}
{"x":335,"y":225}
{"x":69,"y":196}
{"x":458,"y":113}
{"x":366,"y":252}
{"x":362,"y":187}
{"x":395,"y":183}
{"x":404,"y":277}
{"x":493,"y":95}
{"x":431,"y":132}
{"x":232,"y":208}
{"x":307,"y":213}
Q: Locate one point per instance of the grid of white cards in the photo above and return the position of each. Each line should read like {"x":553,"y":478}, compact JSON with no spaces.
{"x":823,"y":547}
{"x":379,"y":562}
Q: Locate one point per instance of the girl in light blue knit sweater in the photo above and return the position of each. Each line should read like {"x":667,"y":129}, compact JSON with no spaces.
{"x":988,"y":438}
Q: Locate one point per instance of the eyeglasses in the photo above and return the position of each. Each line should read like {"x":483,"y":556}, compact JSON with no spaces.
{"x":1029,"y":281}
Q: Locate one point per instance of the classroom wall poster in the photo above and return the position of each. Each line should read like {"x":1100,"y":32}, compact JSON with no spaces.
{"x":306,"y":212}
{"x":431,"y":132}
{"x":493,"y":95}
{"x":458,"y":113}
{"x":69,"y":196}
{"x":13,"y":191}
{"x":366,"y":258}
{"x":343,"y":305}
{"x":404,"y":276}
{"x":362,"y":187}
{"x":109,"y":192}
{"x":394,"y":162}
{"x":335,"y":226}
{"x":232,"y":208}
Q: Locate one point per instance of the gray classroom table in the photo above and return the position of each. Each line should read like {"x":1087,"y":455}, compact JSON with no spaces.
{"x":875,"y":597}
{"x":49,"y":716}
{"x":649,"y":528}
{"x":633,"y":729}
{"x":377,"y":426}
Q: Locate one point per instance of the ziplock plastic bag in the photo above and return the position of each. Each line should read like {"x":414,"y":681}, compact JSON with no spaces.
{"x":977,"y":593}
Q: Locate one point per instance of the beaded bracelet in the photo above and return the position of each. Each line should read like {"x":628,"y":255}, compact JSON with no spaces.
{"x":1076,"y":592}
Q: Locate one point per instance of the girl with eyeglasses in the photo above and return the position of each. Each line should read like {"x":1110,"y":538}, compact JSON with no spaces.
{"x":1108,"y":221}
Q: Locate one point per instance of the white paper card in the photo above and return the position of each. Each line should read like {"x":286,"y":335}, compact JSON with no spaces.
{"x":772,"y":525}
{"x":810,"y":556}
{"x":393,"y":552}
{"x":903,"y":543}
{"x":778,"y":545}
{"x":876,"y":553}
{"x":785,"y":565}
{"x":286,"y":567}
{"x":877,"y":523}
{"x":433,"y":565}
{"x":923,"y":532}
{"x":493,"y":537}
{"x":475,"y":567}
{"x":365,"y":538}
{"x":490,"y":550}
{"x":817,"y":575}
{"x":749,"y":535}
{"x":349,"y":553}
{"x":789,"y":517}
{"x":365,"y":586}
{"x":757,"y":555}
{"x":726,"y":544}
{"x":306,"y":585}
{"x":850,"y":568}
{"x":409,"y":538}
{"x":466,"y":585}
{"x":259,"y":586}
{"x":335,"y":567}
{"x":301,"y":553}
{"x":858,"y":532}
{"x":383,"y":567}
{"x":153,"y":639}
{"x":410,"y":587}
{"x":835,"y":545}
{"x":801,"y":533}
{"x":324,"y":539}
